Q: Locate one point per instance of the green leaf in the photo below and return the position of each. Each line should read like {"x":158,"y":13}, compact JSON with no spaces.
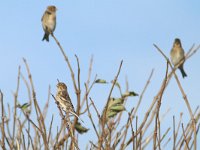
{"x":102,"y":81}
{"x":117,"y":108}
{"x":80,"y":129}
{"x":111,"y":114}
{"x":114,"y":101}
{"x":25,"y":106}
{"x":114,"y":107}
{"x":129,"y":93}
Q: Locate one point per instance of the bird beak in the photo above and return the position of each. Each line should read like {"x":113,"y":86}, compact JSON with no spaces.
{"x":58,"y":80}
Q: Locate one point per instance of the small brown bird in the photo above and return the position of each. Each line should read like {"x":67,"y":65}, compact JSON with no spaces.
{"x":49,"y":22}
{"x":63,"y":99}
{"x":177,"y":55}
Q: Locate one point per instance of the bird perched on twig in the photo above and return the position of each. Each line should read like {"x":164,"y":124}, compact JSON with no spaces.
{"x":49,"y":22}
{"x":177,"y":55}
{"x":63,"y":99}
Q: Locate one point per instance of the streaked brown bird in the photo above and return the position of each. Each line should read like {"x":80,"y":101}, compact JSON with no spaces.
{"x":49,"y":22}
{"x":177,"y":55}
{"x":63,"y":99}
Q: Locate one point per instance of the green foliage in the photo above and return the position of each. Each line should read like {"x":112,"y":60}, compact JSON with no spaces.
{"x":23,"y":106}
{"x":80,"y":129}
{"x":102,"y":81}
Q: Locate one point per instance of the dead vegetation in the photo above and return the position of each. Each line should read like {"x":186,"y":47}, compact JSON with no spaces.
{"x":26,"y":132}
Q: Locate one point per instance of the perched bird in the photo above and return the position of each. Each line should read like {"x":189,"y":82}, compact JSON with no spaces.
{"x":177,"y":55}
{"x":63,"y":99}
{"x":49,"y":22}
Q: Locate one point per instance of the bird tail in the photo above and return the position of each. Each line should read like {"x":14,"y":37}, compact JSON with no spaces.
{"x":46,"y":37}
{"x":73,"y":113}
{"x":182,"y":71}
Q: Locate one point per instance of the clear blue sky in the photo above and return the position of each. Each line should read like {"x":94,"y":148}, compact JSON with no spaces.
{"x":111,"y":30}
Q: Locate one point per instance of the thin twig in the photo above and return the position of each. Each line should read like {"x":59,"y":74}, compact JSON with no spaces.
{"x":45,"y":110}
{"x":29,"y":136}
{"x":158,"y":109}
{"x":67,"y":60}
{"x":106,"y":107}
{"x":50,"y":129}
{"x":15,"y":105}
{"x":185,"y":138}
{"x":37,"y":108}
{"x":88,"y":80}
{"x":89,"y":114}
{"x":2,"y":118}
{"x":142,"y":94}
{"x":183,"y":93}
{"x":174,"y":133}
{"x":78,"y":94}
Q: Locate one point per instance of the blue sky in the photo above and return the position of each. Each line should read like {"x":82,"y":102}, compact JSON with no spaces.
{"x":110,"y":30}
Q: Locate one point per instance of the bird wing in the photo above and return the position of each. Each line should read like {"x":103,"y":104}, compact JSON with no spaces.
{"x":43,"y":16}
{"x":73,"y":113}
{"x":67,"y":99}
{"x":46,"y":13}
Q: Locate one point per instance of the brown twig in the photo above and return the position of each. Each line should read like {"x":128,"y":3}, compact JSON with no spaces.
{"x":158,"y":109}
{"x":81,"y":113}
{"x":77,"y":89}
{"x":138,"y":104}
{"x":187,"y":130}
{"x":142,"y":94}
{"x":164,"y":135}
{"x":156,"y":97}
{"x":27,"y":116}
{"x":183,"y":93}
{"x":192,"y":51}
{"x":37,"y":108}
{"x":150,"y":137}
{"x":67,"y":60}
{"x":165,"y":144}
{"x":95,"y":108}
{"x":105,"y":109}
{"x":89,"y":114}
{"x":185,"y":138}
{"x":139,"y":130}
{"x":8,"y":118}
{"x":126,"y":130}
{"x":132,"y":131}
{"x":136,"y":136}
{"x":174,"y":133}
{"x":15,"y":106}
{"x":28,"y":90}
{"x":2,"y":118}
{"x":50,"y":128}
{"x":45,"y":110}
{"x":78,"y":94}
{"x":89,"y":89}
{"x":29,"y":136}
{"x":88,"y":80}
